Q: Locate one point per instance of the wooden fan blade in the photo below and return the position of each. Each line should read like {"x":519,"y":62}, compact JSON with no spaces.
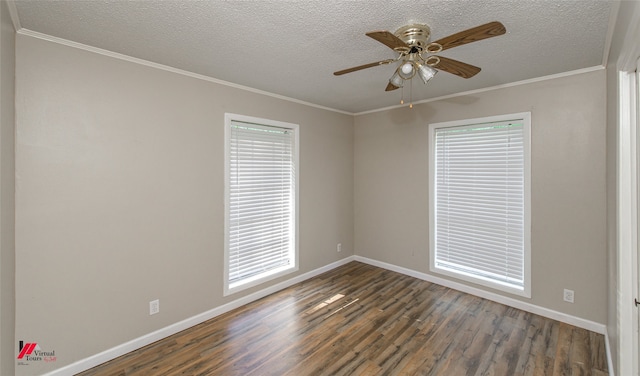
{"x":489,"y":30}
{"x":389,"y":40}
{"x":365,"y":66}
{"x":456,"y":67}
{"x":390,"y":87}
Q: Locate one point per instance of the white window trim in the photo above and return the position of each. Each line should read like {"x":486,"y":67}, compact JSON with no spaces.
{"x":278,"y":272}
{"x":526,"y":118}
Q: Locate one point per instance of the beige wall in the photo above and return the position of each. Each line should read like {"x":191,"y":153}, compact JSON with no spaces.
{"x":7,"y":180}
{"x":568,"y":199}
{"x":119,"y":196}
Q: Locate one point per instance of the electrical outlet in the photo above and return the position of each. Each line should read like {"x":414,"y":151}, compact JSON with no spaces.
{"x":339,"y":248}
{"x":154,"y":307}
{"x":568,"y":295}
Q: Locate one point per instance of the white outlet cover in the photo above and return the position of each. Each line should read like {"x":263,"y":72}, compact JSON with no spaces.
{"x":154,"y":306}
{"x":568,"y":295}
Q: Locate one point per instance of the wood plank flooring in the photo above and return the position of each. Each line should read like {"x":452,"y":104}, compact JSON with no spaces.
{"x":363,"y":320}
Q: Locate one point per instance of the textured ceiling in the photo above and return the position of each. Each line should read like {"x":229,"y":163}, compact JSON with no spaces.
{"x":291,"y":48}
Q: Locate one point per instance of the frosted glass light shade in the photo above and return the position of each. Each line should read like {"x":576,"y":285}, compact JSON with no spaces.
{"x":426,"y":73}
{"x":396,"y":80}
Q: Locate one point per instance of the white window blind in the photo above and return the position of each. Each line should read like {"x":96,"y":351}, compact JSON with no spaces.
{"x":261,"y":199}
{"x":480,"y":201}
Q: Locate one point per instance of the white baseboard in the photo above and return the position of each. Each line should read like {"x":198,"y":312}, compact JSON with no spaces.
{"x":549,"y":313}
{"x":607,"y":346}
{"x":105,"y":356}
{"x":545,"y":312}
{"x":114,"y":352}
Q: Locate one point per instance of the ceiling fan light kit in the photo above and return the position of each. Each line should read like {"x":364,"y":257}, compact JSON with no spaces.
{"x":416,"y":53}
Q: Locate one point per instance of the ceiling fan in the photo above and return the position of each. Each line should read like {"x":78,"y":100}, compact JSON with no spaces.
{"x":416,"y":55}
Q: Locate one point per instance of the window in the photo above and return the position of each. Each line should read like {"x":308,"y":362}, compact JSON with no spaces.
{"x":479,"y":201}
{"x":260,"y":200}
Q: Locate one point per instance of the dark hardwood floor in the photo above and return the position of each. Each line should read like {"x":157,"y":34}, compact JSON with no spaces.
{"x":363,"y":320}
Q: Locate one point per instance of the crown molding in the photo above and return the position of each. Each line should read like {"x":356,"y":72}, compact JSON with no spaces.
{"x":167,"y":68}
{"x":13,"y":12}
{"x":613,"y":17}
{"x":491,"y":88}
{"x":630,"y":46}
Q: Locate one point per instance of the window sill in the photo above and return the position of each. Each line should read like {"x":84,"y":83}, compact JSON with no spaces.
{"x":487,"y":282}
{"x":232,"y":288}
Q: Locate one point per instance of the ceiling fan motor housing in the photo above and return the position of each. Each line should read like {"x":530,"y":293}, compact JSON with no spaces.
{"x":415,"y":35}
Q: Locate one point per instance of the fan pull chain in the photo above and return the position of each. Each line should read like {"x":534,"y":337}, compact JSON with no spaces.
{"x":410,"y":93}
